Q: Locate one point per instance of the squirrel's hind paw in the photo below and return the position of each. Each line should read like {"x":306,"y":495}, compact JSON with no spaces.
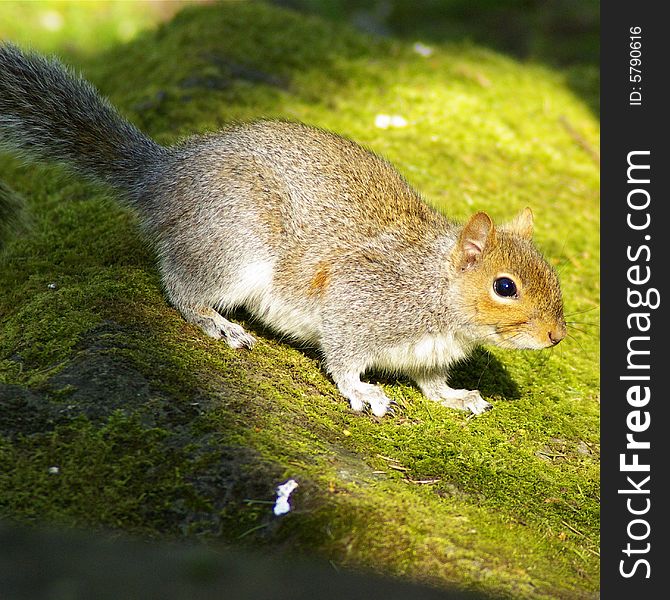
{"x":214,"y":325}
{"x":236,"y":337}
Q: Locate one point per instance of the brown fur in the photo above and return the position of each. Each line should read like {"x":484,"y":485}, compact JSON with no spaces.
{"x":321,"y":278}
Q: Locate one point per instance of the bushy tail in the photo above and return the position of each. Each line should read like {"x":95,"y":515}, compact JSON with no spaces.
{"x":49,"y":113}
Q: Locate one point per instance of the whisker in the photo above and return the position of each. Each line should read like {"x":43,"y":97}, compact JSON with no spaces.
{"x":581,"y":312}
{"x":572,"y":337}
{"x":486,"y":368}
{"x":588,"y":323}
{"x":573,"y":328}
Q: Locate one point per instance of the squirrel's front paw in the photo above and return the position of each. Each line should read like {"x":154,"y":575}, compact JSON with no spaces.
{"x":362,"y":395}
{"x":469,"y":400}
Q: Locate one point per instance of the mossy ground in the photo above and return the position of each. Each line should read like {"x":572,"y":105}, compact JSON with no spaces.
{"x":175,"y":435}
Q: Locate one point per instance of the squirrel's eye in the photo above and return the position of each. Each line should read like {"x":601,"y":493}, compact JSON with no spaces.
{"x":505,"y":287}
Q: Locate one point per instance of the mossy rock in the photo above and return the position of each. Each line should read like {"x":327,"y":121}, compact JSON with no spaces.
{"x":116,"y":414}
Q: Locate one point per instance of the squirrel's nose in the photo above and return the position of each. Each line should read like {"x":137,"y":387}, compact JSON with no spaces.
{"x":558,"y":333}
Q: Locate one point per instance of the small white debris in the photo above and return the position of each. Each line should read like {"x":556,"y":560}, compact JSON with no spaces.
{"x":283,"y":492}
{"x":52,"y":286}
{"x":54,"y":470}
{"x":382,"y":121}
{"x":386,"y":121}
{"x":397,"y":121}
{"x":52,"y":20}
{"x":422,"y":49}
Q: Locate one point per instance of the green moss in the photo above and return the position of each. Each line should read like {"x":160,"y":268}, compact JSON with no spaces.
{"x":80,"y":28}
{"x":506,"y":502}
{"x":101,"y":477}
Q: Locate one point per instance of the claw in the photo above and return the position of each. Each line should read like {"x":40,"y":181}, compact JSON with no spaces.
{"x":393,"y":408}
{"x":236,"y":337}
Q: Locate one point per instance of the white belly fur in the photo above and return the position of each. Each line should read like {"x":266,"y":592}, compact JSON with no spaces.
{"x":428,"y":352}
{"x":254,"y":290}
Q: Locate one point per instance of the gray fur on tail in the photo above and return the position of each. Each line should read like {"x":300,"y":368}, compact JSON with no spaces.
{"x":49,"y":113}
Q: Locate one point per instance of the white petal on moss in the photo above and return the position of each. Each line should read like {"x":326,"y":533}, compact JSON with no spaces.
{"x":283,"y":492}
{"x":386,"y":121}
{"x":422,"y":49}
{"x":382,"y":121}
{"x":52,"y":20}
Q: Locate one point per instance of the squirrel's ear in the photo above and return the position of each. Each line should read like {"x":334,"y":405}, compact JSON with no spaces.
{"x":522,"y":224}
{"x":477,"y":232}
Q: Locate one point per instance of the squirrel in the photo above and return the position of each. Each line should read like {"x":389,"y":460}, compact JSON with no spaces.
{"x":317,"y":237}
